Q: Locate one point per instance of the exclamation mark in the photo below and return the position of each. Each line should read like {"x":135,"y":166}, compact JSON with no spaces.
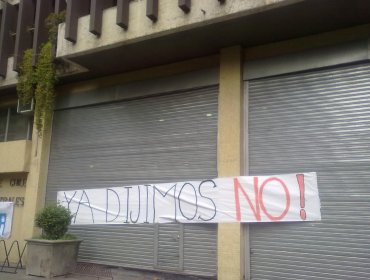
{"x":300,"y":180}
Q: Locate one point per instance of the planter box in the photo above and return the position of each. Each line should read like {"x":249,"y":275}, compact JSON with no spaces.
{"x":49,"y":258}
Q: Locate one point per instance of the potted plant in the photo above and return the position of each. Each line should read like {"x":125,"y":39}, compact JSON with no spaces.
{"x":55,"y":252}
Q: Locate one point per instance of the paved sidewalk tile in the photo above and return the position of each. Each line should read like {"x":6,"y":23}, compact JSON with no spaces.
{"x":117,"y":273}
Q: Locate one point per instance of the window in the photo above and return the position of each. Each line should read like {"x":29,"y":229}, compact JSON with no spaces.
{"x":14,"y":126}
{"x":3,"y":121}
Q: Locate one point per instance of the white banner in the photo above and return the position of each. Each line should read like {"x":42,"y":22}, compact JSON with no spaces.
{"x":291,"y":197}
{"x":6,"y":217}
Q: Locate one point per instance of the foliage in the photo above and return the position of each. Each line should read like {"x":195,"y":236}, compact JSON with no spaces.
{"x":52,"y":22}
{"x":44,"y":92}
{"x":27,"y":80}
{"x":54,"y":221}
{"x":38,"y":82}
{"x":68,"y":236}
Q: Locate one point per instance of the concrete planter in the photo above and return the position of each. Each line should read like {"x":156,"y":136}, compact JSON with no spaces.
{"x":49,"y":258}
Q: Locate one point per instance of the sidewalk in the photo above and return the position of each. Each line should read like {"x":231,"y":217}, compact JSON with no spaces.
{"x":117,"y":274}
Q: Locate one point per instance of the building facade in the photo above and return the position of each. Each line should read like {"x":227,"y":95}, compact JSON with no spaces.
{"x":162,"y":91}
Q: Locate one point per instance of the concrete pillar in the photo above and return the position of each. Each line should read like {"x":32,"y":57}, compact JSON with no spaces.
{"x":36,"y":182}
{"x":230,"y":236}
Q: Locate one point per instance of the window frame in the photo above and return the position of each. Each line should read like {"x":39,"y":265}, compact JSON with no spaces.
{"x":7,"y":124}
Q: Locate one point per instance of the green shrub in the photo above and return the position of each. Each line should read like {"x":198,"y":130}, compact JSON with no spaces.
{"x":37,"y":82}
{"x":54,"y":221}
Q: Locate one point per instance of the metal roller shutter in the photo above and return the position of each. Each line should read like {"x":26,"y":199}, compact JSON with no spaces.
{"x":196,"y":258}
{"x":314,"y":121}
{"x":156,"y":139}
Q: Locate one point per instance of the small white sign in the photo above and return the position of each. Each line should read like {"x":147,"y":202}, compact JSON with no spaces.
{"x":6,"y":217}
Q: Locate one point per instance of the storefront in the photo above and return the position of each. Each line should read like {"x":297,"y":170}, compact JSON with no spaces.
{"x":12,"y":189}
{"x":15,"y":148}
{"x":168,"y":91}
{"x":166,"y":132}
{"x":313,"y":120}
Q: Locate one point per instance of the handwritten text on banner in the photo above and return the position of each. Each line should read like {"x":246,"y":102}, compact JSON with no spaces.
{"x":291,"y":197}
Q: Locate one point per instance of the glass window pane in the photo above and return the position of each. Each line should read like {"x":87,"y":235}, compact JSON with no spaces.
{"x":3,"y":116}
{"x":18,"y":126}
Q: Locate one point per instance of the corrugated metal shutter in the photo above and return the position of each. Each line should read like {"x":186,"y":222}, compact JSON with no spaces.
{"x":315,"y":121}
{"x":164,"y":138}
{"x":168,"y":246}
{"x":196,"y":258}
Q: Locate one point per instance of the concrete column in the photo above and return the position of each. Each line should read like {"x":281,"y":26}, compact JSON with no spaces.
{"x":36,"y":182}
{"x":230,"y":235}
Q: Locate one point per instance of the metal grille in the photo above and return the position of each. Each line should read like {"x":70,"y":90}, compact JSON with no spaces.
{"x":165,"y":138}
{"x":316,"y":121}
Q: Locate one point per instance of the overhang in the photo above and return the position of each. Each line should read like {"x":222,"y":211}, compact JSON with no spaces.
{"x":282,"y":23}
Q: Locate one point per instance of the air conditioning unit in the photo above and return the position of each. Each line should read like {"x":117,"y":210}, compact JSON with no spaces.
{"x":26,"y":109}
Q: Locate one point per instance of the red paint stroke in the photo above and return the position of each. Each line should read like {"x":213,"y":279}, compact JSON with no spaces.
{"x":287,"y":199}
{"x":300,"y":180}
{"x":259,"y":202}
{"x":256,"y":210}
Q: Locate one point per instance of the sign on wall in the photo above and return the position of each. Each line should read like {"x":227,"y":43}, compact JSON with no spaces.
{"x":6,"y":217}
{"x":13,"y":190}
{"x":291,"y":197}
